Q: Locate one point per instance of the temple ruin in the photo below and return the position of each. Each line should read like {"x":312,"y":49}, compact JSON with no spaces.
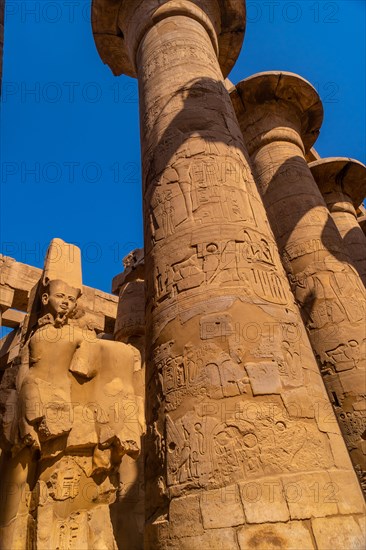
{"x":216,"y":399}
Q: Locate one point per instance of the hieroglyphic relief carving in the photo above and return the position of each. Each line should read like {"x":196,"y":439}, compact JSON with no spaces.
{"x":282,"y":346}
{"x":334,"y":302}
{"x":325,"y":284}
{"x":244,"y":262}
{"x":203,"y":449}
{"x":201,"y":371}
{"x":162,"y":57}
{"x":203,"y":255}
{"x":345,"y":356}
{"x":200,"y":184}
{"x":296,"y":249}
{"x":210,"y":265}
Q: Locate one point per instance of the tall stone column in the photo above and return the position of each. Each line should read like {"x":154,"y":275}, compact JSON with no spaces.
{"x":237,"y":415}
{"x":128,"y":512}
{"x":129,"y":286}
{"x":361,"y":217}
{"x":280,"y":115}
{"x":342,"y":182}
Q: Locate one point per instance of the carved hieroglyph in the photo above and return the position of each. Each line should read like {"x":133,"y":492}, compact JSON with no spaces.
{"x":342,"y":182}
{"x":235,"y":401}
{"x":67,"y":421}
{"x":280,"y":115}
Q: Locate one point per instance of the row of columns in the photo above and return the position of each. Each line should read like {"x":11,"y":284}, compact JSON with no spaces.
{"x":238,"y":419}
{"x":280,"y":116}
{"x":342,"y":183}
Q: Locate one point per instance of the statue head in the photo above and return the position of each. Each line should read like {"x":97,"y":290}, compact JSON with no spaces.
{"x":60,"y":285}
{"x":59,"y":299}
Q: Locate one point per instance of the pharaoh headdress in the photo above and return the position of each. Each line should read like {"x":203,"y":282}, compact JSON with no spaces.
{"x":62,"y":263}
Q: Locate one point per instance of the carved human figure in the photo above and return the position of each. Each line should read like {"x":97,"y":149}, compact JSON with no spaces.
{"x":77,"y":416}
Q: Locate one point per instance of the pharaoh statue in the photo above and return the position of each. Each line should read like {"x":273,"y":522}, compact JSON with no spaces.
{"x":69,"y":418}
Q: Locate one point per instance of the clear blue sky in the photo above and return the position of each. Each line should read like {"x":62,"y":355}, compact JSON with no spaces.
{"x":70,"y":133}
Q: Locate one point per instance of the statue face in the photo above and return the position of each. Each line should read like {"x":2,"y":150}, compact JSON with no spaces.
{"x":61,"y":300}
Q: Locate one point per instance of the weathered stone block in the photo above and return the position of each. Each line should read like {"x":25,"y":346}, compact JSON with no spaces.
{"x":338,"y":533}
{"x":284,"y":536}
{"x":264,"y":378}
{"x":215,"y":539}
{"x":185,"y":516}
{"x":347,"y":492}
{"x":298,"y":403}
{"x":310,"y":495}
{"x":264,"y":501}
{"x":340,"y":454}
{"x":325,"y":417}
{"x":222,"y":508}
{"x":6,"y":297}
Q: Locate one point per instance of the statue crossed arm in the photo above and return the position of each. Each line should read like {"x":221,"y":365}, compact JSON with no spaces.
{"x":77,"y":416}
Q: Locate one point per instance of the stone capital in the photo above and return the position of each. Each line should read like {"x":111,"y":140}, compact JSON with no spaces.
{"x":119,"y":26}
{"x":278,"y":106}
{"x":342,"y":182}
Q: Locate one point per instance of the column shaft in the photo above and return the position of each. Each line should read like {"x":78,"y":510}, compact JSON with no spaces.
{"x":342,"y":183}
{"x":128,"y":511}
{"x":344,"y":215}
{"x":329,"y":291}
{"x":234,"y":395}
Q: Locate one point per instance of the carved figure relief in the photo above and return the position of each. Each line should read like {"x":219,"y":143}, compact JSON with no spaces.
{"x":199,"y":183}
{"x":220,"y":262}
{"x":203,"y":370}
{"x":203,"y":451}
